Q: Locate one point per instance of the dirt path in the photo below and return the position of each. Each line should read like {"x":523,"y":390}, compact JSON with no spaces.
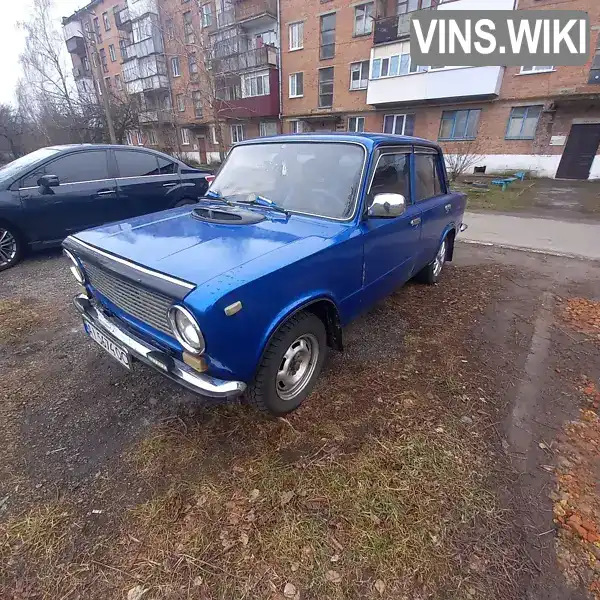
{"x":422,"y":467}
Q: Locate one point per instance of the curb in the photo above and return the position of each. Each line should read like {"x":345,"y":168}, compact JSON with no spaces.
{"x":527,"y":249}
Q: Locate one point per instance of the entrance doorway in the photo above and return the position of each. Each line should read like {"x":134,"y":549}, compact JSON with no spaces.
{"x":202,"y":150}
{"x":580,"y":152}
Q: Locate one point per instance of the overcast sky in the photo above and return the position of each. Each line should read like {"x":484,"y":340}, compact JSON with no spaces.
{"x":11,"y":38}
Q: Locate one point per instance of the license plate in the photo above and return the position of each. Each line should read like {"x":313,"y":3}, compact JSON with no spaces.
{"x":115,"y":350}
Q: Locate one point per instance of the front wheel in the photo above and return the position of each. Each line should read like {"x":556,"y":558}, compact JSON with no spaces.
{"x":433,"y":271}
{"x":290,"y":365}
{"x":185,"y":202}
{"x":10,"y":247}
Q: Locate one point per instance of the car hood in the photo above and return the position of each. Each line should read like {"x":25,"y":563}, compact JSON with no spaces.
{"x":176,"y":243}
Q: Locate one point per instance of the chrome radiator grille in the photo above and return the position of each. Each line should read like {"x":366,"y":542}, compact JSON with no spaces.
{"x":149,"y":307}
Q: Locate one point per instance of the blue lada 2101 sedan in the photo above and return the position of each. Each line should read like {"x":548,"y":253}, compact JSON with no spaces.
{"x":244,"y":292}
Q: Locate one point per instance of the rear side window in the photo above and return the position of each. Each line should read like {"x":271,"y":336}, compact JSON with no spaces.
{"x":427,"y":177}
{"x":167,"y":167}
{"x":392,"y":176}
{"x":73,"y":168}
{"x":136,"y":164}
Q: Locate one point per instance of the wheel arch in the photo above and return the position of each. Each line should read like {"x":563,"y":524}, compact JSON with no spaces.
{"x":450,"y":235}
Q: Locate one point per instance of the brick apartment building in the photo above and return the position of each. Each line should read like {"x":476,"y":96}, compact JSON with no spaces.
{"x":212,"y":72}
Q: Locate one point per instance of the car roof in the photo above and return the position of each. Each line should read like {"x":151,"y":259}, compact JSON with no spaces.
{"x":370,"y":140}
{"x":66,"y":147}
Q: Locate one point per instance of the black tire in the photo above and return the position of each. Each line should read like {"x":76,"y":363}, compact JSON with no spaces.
{"x":266,"y":391}
{"x":432,"y":273}
{"x":185,"y":202}
{"x":10,"y":253}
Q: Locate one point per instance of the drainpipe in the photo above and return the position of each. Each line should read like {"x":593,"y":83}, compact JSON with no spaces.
{"x":280,"y":64}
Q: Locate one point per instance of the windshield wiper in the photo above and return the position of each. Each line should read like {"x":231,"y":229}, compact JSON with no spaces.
{"x":262,"y":201}
{"x":216,"y":195}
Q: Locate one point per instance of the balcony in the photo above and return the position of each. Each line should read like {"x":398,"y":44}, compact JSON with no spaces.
{"x":160,"y":115}
{"x":140,"y":8}
{"x":147,"y":84}
{"x":73,"y":34}
{"x":254,"y":106}
{"x":259,"y":11}
{"x":251,"y":59}
{"x":446,"y":84}
{"x":123,"y":19}
{"x":393,"y":29}
{"x":80,"y":73}
{"x":145,"y":48}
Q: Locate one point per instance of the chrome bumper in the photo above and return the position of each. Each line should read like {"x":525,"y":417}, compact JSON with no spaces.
{"x":463,"y":227}
{"x":155,"y":358}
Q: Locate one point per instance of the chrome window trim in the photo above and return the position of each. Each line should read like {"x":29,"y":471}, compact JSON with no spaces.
{"x":173,"y":280}
{"x":300,"y":141}
{"x":35,"y":187}
{"x":388,"y":151}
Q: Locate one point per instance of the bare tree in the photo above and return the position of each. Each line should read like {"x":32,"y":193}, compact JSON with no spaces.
{"x":461,"y":157}
{"x":12,"y":129}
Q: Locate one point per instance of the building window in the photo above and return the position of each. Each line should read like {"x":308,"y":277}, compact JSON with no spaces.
{"x":193,"y":66}
{"x":188,"y":28}
{"x":175,"y":69}
{"x":118,"y":82}
{"x":106,"y":20}
{"x":356,"y":124}
{"x":523,"y":122}
{"x":327,"y":36}
{"x":530,"y":70}
{"x":326,"y":87}
{"x":86,"y":63}
{"x":399,"y":124}
{"x":170,"y":28}
{"x":237,"y":133}
{"x":255,"y":84}
{"x":407,"y":6}
{"x":185,"y":137}
{"x":296,"y":35}
{"x":197,"y":99}
{"x":140,"y":137}
{"x":206,"y":15}
{"x":152,"y":137}
{"x":459,"y":124}
{"x":397,"y":64}
{"x":129,"y":138}
{"x":213,"y":135}
{"x":267,"y":128}
{"x":296,"y":85}
{"x":359,"y":75}
{"x":97,"y":30}
{"x":296,"y":126}
{"x":103,"y":60}
{"x":112,"y":53}
{"x":180,"y":101}
{"x":363,"y":19}
{"x":123,"y":49}
{"x":108,"y":83}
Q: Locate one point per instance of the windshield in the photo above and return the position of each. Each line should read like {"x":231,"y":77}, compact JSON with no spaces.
{"x":306,"y":177}
{"x":14,"y":168}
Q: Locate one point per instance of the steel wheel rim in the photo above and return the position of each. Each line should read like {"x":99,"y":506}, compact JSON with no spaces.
{"x":8,"y":247}
{"x":440,"y":259}
{"x":297,"y":367}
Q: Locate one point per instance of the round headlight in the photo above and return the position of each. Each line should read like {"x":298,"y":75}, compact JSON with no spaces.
{"x":75,"y":268}
{"x":186,"y":329}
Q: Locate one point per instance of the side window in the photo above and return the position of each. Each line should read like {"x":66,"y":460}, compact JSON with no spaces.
{"x":73,"y":168}
{"x":167,"y":167}
{"x":136,"y":164}
{"x":427,"y":177}
{"x":392,"y":176}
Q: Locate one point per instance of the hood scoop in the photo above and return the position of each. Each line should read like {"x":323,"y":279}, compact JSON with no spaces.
{"x":227,"y":215}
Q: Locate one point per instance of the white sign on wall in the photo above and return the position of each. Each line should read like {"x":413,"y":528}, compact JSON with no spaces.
{"x":558,"y":140}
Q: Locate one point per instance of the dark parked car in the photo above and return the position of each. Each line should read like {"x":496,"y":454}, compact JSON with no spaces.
{"x":54,"y":192}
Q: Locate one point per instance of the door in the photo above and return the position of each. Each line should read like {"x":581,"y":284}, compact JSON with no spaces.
{"x":202,"y":150}
{"x":85,"y":197}
{"x":430,"y":195}
{"x":390,"y":244}
{"x":580,"y":152}
{"x":147,"y":182}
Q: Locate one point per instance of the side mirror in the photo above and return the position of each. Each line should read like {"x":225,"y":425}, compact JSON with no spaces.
{"x":387,"y":206}
{"x":48,"y":181}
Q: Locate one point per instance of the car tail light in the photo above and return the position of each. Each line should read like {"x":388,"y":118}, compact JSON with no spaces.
{"x":209,"y":179}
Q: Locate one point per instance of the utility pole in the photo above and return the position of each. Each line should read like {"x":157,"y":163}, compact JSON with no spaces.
{"x":97,"y":68}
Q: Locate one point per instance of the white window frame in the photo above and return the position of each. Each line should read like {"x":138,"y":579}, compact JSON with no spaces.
{"x":396,"y":116}
{"x":296,"y":41}
{"x":363,"y":76}
{"x":366,"y":18}
{"x":175,"y":71}
{"x":139,"y":137}
{"x":118,"y":82}
{"x":152,"y":141}
{"x":263,"y":126}
{"x":185,"y":136}
{"x":112,"y":53}
{"x":237,"y":133}
{"x":297,"y":125}
{"x":531,"y":70}
{"x":356,"y":119}
{"x":389,"y":60}
{"x":213,"y":135}
{"x":106,"y":21}
{"x":206,"y":15}
{"x":180,"y":100}
{"x":129,"y":138}
{"x":247,"y":84}
{"x":293,"y":85}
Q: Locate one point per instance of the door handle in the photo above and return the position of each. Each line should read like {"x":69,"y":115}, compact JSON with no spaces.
{"x":448,"y":207}
{"x":169,"y":184}
{"x":416,"y":221}
{"x":105,"y":192}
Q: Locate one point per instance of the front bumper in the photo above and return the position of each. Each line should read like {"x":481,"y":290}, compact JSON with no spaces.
{"x":153,"y":357}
